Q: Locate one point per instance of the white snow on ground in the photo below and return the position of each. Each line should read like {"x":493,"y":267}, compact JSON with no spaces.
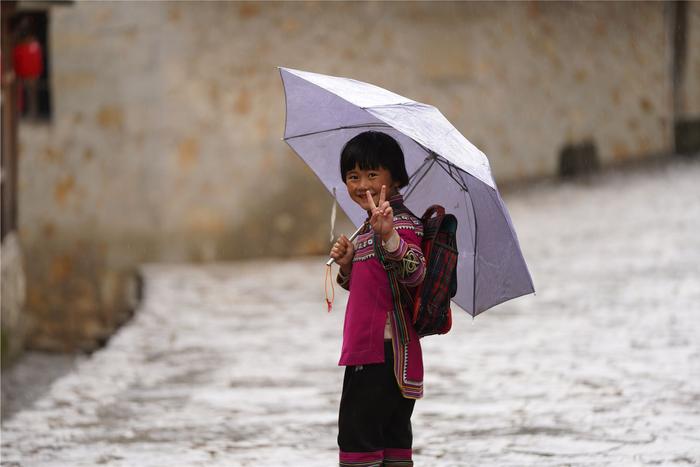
{"x":235,"y":364}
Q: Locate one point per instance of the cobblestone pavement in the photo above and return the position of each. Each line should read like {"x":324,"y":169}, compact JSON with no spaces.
{"x":235,"y":364}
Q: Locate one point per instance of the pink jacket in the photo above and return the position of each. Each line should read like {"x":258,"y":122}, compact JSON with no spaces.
{"x":371,"y":300}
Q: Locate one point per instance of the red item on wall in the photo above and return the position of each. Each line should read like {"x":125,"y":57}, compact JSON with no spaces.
{"x":28,"y":59}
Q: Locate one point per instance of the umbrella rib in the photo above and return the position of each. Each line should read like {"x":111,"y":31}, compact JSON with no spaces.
{"x":425,"y":161}
{"x":463,"y":185}
{"x":448,"y":171}
{"x":348,"y":127}
{"x":459,"y":173}
{"x":408,"y":103}
{"x":474,"y":241}
{"x":425,"y":172}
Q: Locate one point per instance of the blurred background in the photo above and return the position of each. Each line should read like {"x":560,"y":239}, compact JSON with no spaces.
{"x":151,"y":132}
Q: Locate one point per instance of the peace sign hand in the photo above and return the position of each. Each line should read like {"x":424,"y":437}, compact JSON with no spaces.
{"x":382,"y":219}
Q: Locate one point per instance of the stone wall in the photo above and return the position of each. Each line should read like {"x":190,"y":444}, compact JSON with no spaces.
{"x":13,"y":325}
{"x":690,"y":102}
{"x":165,"y":140}
{"x":687,"y":98}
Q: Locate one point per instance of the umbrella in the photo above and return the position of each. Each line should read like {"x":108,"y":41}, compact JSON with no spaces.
{"x":324,"y":112}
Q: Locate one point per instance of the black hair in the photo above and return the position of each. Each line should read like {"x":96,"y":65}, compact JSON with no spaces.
{"x":372,"y":150}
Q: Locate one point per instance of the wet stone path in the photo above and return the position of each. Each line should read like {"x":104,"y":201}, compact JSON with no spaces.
{"x":235,"y":364}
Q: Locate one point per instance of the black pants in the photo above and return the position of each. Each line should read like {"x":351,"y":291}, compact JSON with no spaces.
{"x":374,"y":416}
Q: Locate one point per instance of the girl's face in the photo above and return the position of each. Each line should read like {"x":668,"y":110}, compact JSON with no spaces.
{"x":359,"y":181}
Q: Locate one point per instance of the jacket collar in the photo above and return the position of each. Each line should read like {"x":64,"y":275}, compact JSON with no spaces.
{"x":396,"y":200}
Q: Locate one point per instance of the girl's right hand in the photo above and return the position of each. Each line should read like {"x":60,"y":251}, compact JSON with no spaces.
{"x":342,"y":252}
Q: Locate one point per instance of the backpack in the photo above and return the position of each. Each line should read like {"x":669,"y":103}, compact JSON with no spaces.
{"x":431,"y":299}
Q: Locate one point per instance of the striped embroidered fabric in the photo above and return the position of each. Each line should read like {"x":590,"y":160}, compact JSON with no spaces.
{"x":409,"y":389}
{"x":398,"y":457}
{"x":391,"y":460}
{"x":397,"y":463}
{"x":404,"y":221}
{"x":361,"y":459}
{"x":361,"y":464}
{"x":365,"y":247}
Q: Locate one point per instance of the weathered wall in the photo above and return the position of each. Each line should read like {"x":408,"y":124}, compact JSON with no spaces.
{"x":13,"y":324}
{"x":165,"y":143}
{"x":690,"y":107}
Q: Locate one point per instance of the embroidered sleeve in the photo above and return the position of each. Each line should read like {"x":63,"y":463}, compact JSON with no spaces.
{"x":343,"y":280}
{"x":409,"y":256}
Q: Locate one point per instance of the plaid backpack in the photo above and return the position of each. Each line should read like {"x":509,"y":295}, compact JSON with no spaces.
{"x":431,"y":299}
{"x":429,"y":302}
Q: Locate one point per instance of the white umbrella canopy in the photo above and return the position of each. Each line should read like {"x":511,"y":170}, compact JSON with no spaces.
{"x":324,"y":112}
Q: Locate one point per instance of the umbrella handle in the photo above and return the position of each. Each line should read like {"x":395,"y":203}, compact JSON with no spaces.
{"x":352,"y":237}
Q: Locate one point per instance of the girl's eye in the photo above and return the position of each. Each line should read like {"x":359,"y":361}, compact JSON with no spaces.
{"x":372,"y":175}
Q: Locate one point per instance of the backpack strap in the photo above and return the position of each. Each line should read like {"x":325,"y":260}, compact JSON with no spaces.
{"x":430,"y":229}
{"x":435,"y":208}
{"x":390,"y":268}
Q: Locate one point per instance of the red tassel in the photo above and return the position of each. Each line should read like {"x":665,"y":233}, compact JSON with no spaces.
{"x":329,"y":278}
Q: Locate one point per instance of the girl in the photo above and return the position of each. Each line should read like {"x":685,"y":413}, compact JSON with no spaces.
{"x":381,"y":350}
